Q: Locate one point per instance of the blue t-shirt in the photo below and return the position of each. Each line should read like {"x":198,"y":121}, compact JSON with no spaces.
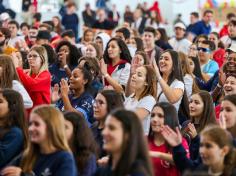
{"x":57,"y":73}
{"x":210,"y":68}
{"x":200,"y":28}
{"x":11,"y":144}
{"x":83,"y":104}
{"x":59,"y":163}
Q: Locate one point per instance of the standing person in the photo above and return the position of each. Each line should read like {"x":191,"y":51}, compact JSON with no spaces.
{"x":139,"y":21}
{"x":163,"y":114}
{"x":150,"y":48}
{"x":71,"y":20}
{"x":104,"y":103}
{"x":48,"y":151}
{"x":9,"y":79}
{"x":13,"y":130}
{"x":124,"y":138}
{"x":203,"y":26}
{"x":57,"y":24}
{"x":79,"y":137}
{"x":194,"y":18}
{"x":179,"y":42}
{"x":128,"y":15}
{"x":38,"y":79}
{"x":67,"y":60}
{"x":89,"y":16}
{"x":143,"y":99}
{"x":118,"y":59}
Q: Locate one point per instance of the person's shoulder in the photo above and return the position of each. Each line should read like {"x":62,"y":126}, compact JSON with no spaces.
{"x":63,"y":155}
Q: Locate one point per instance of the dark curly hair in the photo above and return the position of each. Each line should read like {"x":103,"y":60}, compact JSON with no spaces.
{"x":125,"y":54}
{"x":74,"y":54}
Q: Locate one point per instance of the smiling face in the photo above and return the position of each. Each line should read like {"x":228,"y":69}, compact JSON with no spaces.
{"x":228,"y":111}
{"x":166,"y":63}
{"x":196,"y":106}
{"x":138,"y":80}
{"x":230,"y":85}
{"x":113,"y":135}
{"x":77,"y":80}
{"x":100,"y":107}
{"x":210,"y":152}
{"x":157,"y":119}
{"x":139,"y":59}
{"x":113,"y":50}
{"x":231,"y":62}
{"x":37,"y":129}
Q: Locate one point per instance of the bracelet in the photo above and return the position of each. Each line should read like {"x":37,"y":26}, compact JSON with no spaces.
{"x":65,"y":66}
{"x":218,"y":85}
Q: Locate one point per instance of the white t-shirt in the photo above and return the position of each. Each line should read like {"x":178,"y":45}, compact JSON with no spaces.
{"x":146,"y":102}
{"x":176,"y":84}
{"x":180,"y":45}
{"x":188,"y":83}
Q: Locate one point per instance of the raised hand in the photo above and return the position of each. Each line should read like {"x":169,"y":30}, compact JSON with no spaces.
{"x":191,"y":130}
{"x":55,"y":93}
{"x":172,"y":137}
{"x":65,"y":89}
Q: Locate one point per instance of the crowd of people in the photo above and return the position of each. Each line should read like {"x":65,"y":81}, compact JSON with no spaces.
{"x":124,"y":99}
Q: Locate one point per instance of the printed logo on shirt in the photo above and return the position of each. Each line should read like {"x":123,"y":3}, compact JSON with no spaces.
{"x":46,"y":172}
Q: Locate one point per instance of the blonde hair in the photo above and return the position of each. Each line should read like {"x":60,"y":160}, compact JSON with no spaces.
{"x":54,"y":121}
{"x":43,"y":55}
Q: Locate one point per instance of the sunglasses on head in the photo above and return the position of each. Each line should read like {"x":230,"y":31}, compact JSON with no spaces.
{"x":205,"y":50}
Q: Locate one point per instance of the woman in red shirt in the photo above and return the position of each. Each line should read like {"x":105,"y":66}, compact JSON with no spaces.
{"x":163,"y":114}
{"x":37,"y":79}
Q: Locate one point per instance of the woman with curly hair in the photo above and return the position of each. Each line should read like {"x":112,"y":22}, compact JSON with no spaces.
{"x":67,"y":60}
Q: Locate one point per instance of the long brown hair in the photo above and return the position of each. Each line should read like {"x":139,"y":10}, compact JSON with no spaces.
{"x":8,"y":71}
{"x":208,"y":115}
{"x":151,"y":79}
{"x":222,"y":138}
{"x":186,"y":70}
{"x":134,"y":148}
{"x":54,"y":121}
{"x":16,"y":114}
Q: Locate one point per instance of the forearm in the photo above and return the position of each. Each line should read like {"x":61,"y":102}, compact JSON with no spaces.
{"x":129,"y":89}
{"x":169,"y":92}
{"x":67,"y":104}
{"x":114,"y":83}
{"x":164,"y":156}
{"x":216,"y":92}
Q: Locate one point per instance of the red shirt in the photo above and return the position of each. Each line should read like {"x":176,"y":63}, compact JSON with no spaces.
{"x":218,"y":56}
{"x":224,"y":31}
{"x":38,"y":86}
{"x":111,"y":68}
{"x":162,"y":167}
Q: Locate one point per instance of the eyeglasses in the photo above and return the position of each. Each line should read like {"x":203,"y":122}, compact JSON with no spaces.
{"x":34,"y":56}
{"x":98,"y":103}
{"x":205,"y":50}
